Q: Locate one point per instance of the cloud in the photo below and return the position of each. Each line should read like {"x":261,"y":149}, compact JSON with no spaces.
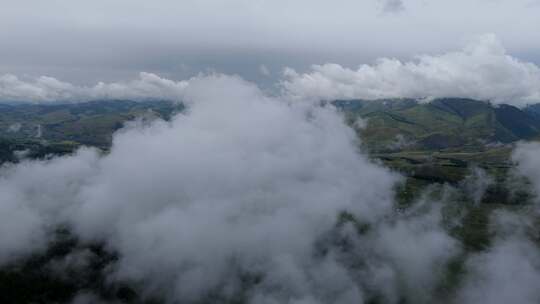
{"x":419,"y":248}
{"x":527,"y":156}
{"x":263,"y":69}
{"x":49,"y":90}
{"x":213,"y":203}
{"x":14,"y":128}
{"x":242,"y":34}
{"x":33,"y":194}
{"x":393,"y":6}
{"x":481,"y":70}
{"x":89,"y":298}
{"x":507,"y":271}
{"x":237,"y":197}
{"x":476,"y":184}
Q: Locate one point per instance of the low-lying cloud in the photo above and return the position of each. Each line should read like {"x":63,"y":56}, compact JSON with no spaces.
{"x":509,"y":269}
{"x":527,"y":156}
{"x":481,"y":70}
{"x":51,"y":90}
{"x":237,"y":197}
{"x":243,"y":197}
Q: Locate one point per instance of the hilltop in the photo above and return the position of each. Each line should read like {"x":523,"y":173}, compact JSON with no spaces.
{"x":441,"y":140}
{"x":464,"y":124}
{"x":39,"y":130}
{"x":456,"y":130}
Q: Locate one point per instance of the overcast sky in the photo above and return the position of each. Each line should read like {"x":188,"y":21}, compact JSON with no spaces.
{"x":107,"y":40}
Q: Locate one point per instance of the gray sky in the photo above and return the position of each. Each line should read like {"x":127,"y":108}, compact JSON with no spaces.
{"x":223,"y":200}
{"x":106,"y":40}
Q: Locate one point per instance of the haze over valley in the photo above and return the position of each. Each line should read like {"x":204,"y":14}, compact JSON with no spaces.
{"x":240,"y":152}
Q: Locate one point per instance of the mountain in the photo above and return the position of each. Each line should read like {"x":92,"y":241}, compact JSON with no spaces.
{"x":37,"y":131}
{"x":392,"y":124}
{"x":408,"y":124}
{"x":90,"y":123}
{"x":533,"y":110}
{"x":435,"y":140}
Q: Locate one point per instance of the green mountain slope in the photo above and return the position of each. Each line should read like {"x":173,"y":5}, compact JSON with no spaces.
{"x":447,"y":125}
{"x":398,"y":124}
{"x":90,"y":123}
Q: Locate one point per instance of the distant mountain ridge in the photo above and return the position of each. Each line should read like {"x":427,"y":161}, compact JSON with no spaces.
{"x":89,"y":123}
{"x":396,"y":124}
{"x":392,"y":124}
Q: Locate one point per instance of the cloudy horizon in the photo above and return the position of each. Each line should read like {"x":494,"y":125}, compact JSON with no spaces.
{"x":113,"y":40}
{"x":480,"y":69}
{"x":255,"y":189}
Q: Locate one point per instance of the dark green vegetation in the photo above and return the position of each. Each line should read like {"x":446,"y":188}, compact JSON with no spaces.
{"x":441,"y":147}
{"x":57,"y":129}
{"x":47,"y":278}
{"x":440,"y":141}
{"x":437,"y":146}
{"x":465,"y":124}
{"x":395,"y":127}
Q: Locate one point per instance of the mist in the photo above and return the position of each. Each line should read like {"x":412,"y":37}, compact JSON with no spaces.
{"x":482,"y":70}
{"x":265,"y":152}
{"x":239,"y":196}
{"x":509,"y":269}
{"x":251,"y":197}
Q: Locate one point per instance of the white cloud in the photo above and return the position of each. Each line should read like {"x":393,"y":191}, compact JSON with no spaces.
{"x":48,"y":89}
{"x":507,"y":272}
{"x":419,"y":249}
{"x":481,"y":70}
{"x":241,"y":34}
{"x":527,"y":156}
{"x":242,"y":184}
{"x":193,"y":203}
{"x":32,"y":197}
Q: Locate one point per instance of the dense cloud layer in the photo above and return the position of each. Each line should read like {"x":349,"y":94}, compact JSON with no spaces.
{"x":482,"y":70}
{"x":106,"y":40}
{"x":242,"y":188}
{"x":239,"y":197}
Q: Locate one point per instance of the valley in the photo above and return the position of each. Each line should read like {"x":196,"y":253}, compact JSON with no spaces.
{"x":457,"y":152}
